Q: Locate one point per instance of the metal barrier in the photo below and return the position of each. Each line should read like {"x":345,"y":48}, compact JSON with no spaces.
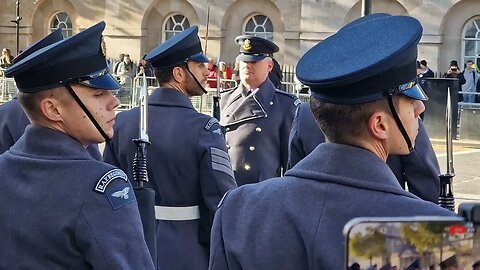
{"x":8,"y":89}
{"x":304,"y":97}
{"x":202,"y":103}
{"x":137,"y":85}
{"x":129,"y":92}
{"x":463,"y":104}
{"x":225,"y":84}
{"x":125,"y":93}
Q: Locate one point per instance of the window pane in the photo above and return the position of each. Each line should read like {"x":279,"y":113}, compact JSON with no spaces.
{"x":63,"y":21}
{"x":269,"y":25}
{"x":178,"y":18}
{"x":471,"y":41}
{"x":471,"y":31}
{"x":250,"y":26}
{"x":169,"y":35}
{"x":470,"y":47}
{"x":477,"y":46}
{"x":260,"y":26}
{"x":175,"y":24}
{"x":62,"y":16}
{"x":170,"y":24}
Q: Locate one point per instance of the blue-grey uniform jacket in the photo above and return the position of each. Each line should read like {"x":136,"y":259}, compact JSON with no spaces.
{"x":62,"y":209}
{"x":257,"y":129}
{"x":13,"y":121}
{"x":296,"y":222}
{"x":187,"y":166}
{"x":420,"y":169}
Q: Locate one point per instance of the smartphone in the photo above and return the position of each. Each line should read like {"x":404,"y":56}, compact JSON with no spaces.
{"x":411,"y":243}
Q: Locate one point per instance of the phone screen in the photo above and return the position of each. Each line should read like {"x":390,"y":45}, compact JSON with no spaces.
{"x":411,"y":243}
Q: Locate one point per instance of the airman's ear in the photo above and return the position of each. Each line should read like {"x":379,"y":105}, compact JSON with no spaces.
{"x":378,"y":125}
{"x":49,"y":107}
{"x":270,"y":64}
{"x":178,"y":74}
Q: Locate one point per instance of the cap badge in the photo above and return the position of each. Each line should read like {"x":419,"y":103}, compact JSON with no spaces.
{"x":103,"y":46}
{"x":246,"y":45}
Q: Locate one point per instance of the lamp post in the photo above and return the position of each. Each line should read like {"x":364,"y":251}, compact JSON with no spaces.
{"x":17,"y":24}
{"x":366,"y":7}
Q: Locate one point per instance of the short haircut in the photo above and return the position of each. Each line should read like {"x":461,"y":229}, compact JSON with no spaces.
{"x":31,"y":101}
{"x":165,"y":74}
{"x":423,"y":62}
{"x":342,"y":123}
{"x":470,"y":61}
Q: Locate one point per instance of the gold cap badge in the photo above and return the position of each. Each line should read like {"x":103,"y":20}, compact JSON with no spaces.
{"x":246,"y":45}
{"x":103,"y":47}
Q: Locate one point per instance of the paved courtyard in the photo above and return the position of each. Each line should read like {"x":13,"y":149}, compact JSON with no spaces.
{"x":466,"y":163}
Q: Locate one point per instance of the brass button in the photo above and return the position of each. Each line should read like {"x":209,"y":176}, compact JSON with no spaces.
{"x":228,"y":146}
{"x":258,"y":129}
{"x":247,"y":167}
{"x":252,"y":148}
{"x":227,"y":129}
{"x":271,"y":102}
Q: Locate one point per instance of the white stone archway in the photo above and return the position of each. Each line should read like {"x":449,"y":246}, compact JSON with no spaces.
{"x":43,"y":14}
{"x":155,"y":16}
{"x":234,"y":20}
{"x":452,"y":28}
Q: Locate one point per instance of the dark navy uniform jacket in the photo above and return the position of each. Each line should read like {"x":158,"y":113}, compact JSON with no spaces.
{"x":296,"y":222}
{"x":13,"y":122}
{"x":257,"y":129}
{"x":187,"y":165}
{"x":420,"y":169}
{"x":62,"y":209}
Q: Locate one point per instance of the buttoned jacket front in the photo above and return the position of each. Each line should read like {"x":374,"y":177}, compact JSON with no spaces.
{"x":256,"y":130}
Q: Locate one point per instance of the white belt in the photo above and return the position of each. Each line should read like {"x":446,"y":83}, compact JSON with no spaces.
{"x":177,"y":213}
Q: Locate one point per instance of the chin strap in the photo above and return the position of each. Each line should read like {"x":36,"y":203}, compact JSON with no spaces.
{"x":399,"y":123}
{"x":87,"y":112}
{"x":199,"y":85}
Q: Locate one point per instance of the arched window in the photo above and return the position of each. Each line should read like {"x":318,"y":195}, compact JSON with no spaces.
{"x":260,"y":26}
{"x":174,"y":25}
{"x":62,"y":20}
{"x":471,"y":41}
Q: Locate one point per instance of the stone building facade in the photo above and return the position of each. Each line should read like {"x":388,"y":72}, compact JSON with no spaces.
{"x":451,"y":27}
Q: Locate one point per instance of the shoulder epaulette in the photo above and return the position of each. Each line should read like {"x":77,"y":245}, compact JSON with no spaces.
{"x":285,"y":94}
{"x":296,"y":100}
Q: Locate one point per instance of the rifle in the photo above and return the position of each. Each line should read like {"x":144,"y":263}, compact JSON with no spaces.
{"x":145,"y":196}
{"x":446,"y":198}
{"x":216,"y":98}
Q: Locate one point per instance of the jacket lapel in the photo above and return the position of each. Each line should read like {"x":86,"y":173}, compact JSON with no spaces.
{"x":253,"y":106}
